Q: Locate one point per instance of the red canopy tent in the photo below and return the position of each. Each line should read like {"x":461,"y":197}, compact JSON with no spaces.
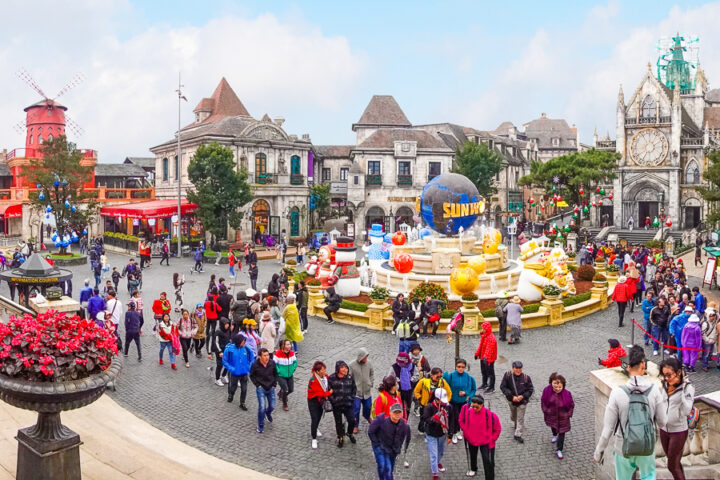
{"x":147,"y":210}
{"x":10,"y":211}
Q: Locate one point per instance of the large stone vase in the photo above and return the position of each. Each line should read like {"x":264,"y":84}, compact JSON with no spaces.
{"x":49,"y":449}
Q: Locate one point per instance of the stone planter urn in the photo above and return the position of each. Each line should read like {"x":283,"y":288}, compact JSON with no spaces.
{"x":379,"y":301}
{"x":551,"y":297}
{"x":49,"y":449}
{"x":469,"y":303}
{"x":611,"y":275}
{"x":599,"y":284}
{"x":314,"y":288}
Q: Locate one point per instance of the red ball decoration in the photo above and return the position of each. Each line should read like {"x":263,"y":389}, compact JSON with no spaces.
{"x":668,"y":223}
{"x":600,"y":202}
{"x":597,"y":189}
{"x":610,"y":196}
{"x":582,"y":191}
{"x":399,"y":238}
{"x":403,"y":263}
{"x":542,"y":207}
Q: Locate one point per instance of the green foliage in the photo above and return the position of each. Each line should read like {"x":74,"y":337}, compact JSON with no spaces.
{"x":490,"y":312}
{"x":571,"y":254}
{"x":356,"y":306}
{"x":220,"y":188}
{"x":122,"y":236}
{"x":531,"y":308}
{"x":469,"y":297}
{"x":585,"y":273}
{"x":480,"y":164}
{"x":447,"y":313}
{"x":379,"y":293}
{"x":290,"y":262}
{"x":551,"y":290}
{"x":300,"y":277}
{"x":314,"y":282}
{"x":427,"y":288}
{"x":711,"y":193}
{"x":587,"y":168}
{"x":679,"y":249}
{"x":572,"y":268}
{"x":612,"y":268}
{"x":322,"y":198}
{"x":654,"y":244}
{"x":575,"y":299}
{"x":212,"y":253}
{"x":65,"y":256}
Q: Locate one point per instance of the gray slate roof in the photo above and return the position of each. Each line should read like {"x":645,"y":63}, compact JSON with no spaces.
{"x":544,"y":129}
{"x":145,"y":162}
{"x":384,"y":111}
{"x":119,"y":170}
{"x":386,"y":138}
{"x":227,"y":127}
{"x":333,"y":151}
{"x":713,"y":96}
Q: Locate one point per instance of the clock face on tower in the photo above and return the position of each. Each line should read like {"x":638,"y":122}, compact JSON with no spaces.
{"x":648,"y":147}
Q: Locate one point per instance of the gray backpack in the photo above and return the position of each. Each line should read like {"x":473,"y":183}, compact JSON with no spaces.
{"x":638,"y":432}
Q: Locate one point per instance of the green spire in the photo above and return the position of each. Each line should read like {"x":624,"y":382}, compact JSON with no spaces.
{"x":676,"y":68}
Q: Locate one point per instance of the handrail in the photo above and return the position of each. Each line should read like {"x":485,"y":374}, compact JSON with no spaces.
{"x":12,"y":307}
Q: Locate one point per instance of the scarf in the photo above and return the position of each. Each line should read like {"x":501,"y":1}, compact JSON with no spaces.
{"x":441,"y":416}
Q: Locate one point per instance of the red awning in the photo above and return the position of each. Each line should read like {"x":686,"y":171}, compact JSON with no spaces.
{"x":11,"y":211}
{"x":145,"y":210}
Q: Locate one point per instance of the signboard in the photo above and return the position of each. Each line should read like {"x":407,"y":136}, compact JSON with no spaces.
{"x":350,"y":230}
{"x":710,"y":266}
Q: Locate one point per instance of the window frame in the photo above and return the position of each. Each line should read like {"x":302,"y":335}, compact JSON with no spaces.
{"x":374,"y":163}
{"x":344,"y":172}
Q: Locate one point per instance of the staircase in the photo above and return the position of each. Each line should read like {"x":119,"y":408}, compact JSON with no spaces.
{"x":636,"y":236}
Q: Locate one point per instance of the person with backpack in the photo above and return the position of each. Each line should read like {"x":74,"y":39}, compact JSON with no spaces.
{"x":463,"y":388}
{"x":407,"y":333}
{"x":487,"y":354}
{"x":363,"y":373}
{"x":286,"y":364}
{"x":343,"y":387}
{"x":436,"y":420}
{"x":632,"y":411}
{"x":481,"y":429}
{"x":387,"y":435}
{"x":318,"y":392}
{"x":133,"y":325}
{"x":709,"y":327}
{"x":400,"y":311}
{"x":500,"y":304}
{"x":238,"y":359}
{"x":517,"y":388}
{"x":679,"y":396}
{"x":557,"y":406}
{"x":402,"y":370}
{"x":388,"y":395}
{"x":421,"y":370}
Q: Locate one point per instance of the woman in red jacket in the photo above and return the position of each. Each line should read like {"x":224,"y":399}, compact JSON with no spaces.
{"x":615,"y":352}
{"x":161,"y":306}
{"x":317,"y":392}
{"x":211,"y":308}
{"x":621,"y":296}
{"x":632,"y":280}
{"x":487,"y":354}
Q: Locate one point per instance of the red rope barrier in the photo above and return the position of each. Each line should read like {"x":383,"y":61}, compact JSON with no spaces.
{"x":664,"y":345}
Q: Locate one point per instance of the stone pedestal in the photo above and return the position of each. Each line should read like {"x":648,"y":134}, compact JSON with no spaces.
{"x":670,"y":246}
{"x":554,"y":307}
{"x":315,"y":299}
{"x":473,"y":320}
{"x":600,"y":293}
{"x":572,"y":241}
{"x":444,"y":260}
{"x":48,"y":450}
{"x":376,"y":314}
{"x":65,"y":304}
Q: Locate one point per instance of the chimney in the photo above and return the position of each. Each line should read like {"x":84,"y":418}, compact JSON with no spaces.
{"x":574,"y":129}
{"x":279,"y":121}
{"x":306,"y":137}
{"x":542,"y":115}
{"x":512,"y":133}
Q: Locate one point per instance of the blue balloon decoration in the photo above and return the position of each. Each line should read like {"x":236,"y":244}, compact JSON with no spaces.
{"x":65,"y":243}
{"x":41,"y":195}
{"x":56,"y":183}
{"x":450,"y":201}
{"x":424,"y":232}
{"x":64,"y":182}
{"x":73,"y":209}
{"x":67,"y":204}
{"x":39,"y":186}
{"x":47,"y":216}
{"x":84,"y":231}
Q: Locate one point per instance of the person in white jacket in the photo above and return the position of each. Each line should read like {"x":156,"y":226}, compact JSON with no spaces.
{"x":679,"y":396}
{"x":616,"y":414}
{"x":267,"y":332}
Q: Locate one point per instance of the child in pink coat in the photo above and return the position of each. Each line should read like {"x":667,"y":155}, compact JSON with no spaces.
{"x":481,"y":429}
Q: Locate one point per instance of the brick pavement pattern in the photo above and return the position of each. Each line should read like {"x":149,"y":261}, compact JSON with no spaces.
{"x":187,"y":405}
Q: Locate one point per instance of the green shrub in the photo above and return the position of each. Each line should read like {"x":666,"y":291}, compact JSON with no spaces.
{"x":469,"y":297}
{"x":599,"y":277}
{"x":490,"y":312}
{"x":314,"y":282}
{"x":427,"y":288}
{"x":447,"y":313}
{"x":572,"y":268}
{"x":585,"y":272}
{"x":356,"y":306}
{"x":290,"y":262}
{"x":575,"y":299}
{"x":571,"y":254}
{"x":531,"y":308}
{"x":551,"y":290}
{"x":654,"y":243}
{"x":379,"y":293}
{"x":300,"y":277}
{"x":611,"y":267}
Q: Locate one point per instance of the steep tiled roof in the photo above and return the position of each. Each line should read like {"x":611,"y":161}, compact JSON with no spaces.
{"x":119,"y":170}
{"x":383,"y":111}
{"x":503,"y":128}
{"x":713,"y":96}
{"x":386,"y":138}
{"x":223,"y":103}
{"x":144,"y":162}
{"x":227,"y":127}
{"x":712,"y":117}
{"x":544,"y":129}
{"x":333,"y":151}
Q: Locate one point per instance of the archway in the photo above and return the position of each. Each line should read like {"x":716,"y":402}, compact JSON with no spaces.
{"x":261,"y":218}
{"x":404,"y":214}
{"x":374,"y":215}
{"x":692,"y":213}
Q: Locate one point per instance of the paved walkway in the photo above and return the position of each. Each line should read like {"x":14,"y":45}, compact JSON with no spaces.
{"x":189,"y":407}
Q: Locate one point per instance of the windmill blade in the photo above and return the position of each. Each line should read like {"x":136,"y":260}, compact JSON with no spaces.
{"x":74,"y":127}
{"x":76,"y":80}
{"x":27,"y":78}
{"x":20,"y":127}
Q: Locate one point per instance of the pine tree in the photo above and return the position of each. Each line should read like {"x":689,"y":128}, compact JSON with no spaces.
{"x":711,"y":193}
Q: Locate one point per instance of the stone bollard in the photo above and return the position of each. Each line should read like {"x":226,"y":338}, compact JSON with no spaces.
{"x":376,"y":314}
{"x":554,"y":307}
{"x":473,"y":320}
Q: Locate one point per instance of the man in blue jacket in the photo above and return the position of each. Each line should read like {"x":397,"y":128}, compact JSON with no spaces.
{"x":85,"y":295}
{"x":678,"y":323}
{"x":700,"y":301}
{"x":95,"y":304}
{"x":237,"y":359}
{"x":463,"y":388}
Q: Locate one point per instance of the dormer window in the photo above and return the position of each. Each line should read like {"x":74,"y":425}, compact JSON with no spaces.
{"x":555,"y":142}
{"x":491,"y":144}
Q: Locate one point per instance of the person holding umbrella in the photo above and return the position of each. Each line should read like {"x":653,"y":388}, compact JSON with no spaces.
{"x":481,"y":429}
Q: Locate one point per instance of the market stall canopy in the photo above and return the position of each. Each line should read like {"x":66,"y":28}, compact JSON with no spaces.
{"x":713,"y":251}
{"x":147,"y":210}
{"x":11,"y":210}
{"x":36,"y":271}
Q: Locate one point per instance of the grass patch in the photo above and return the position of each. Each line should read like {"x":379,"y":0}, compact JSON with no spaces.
{"x":57,"y":256}
{"x":212,"y":254}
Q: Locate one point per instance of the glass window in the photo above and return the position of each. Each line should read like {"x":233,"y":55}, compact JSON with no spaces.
{"x":373,"y":167}
{"x":344,"y":174}
{"x":50,"y":137}
{"x":30,"y":139}
{"x":295,"y":165}
{"x":177,"y":167}
{"x":403,"y":168}
{"x":325,"y":174}
{"x":356,"y":180}
{"x":692,"y":173}
{"x":648,"y":107}
{"x":434,"y":168}
{"x":260,"y":163}
{"x":165,"y":169}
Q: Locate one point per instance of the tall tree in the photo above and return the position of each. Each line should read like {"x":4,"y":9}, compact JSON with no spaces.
{"x":220,"y":188}
{"x":480,"y":164}
{"x":711,"y":192}
{"x":61,"y":179}
{"x":572,"y":171}
{"x":319,"y":200}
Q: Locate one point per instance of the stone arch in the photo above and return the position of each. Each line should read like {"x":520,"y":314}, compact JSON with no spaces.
{"x":692,"y":172}
{"x":264,"y":131}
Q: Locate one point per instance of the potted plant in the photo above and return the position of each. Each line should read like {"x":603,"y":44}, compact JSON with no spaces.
{"x":314,"y":285}
{"x":599,"y":280}
{"x":612,"y":270}
{"x":469,"y":300}
{"x":48,"y":364}
{"x":572,"y":258}
{"x":379,"y":295}
{"x":551,"y":292}
{"x":291,"y":264}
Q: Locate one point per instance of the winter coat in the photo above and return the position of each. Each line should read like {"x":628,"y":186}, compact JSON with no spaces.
{"x":385,"y":400}
{"x":691,"y":338}
{"x":363,"y":374}
{"x":187,"y":327}
{"x":161,"y":307}
{"x":403,"y":375}
{"x":239,"y":310}
{"x":292,"y":323}
{"x":201,"y":321}
{"x":513,"y":385}
{"x":286,"y":364}
{"x":238,"y":360}
{"x":433,"y":307}
{"x":700,"y":303}
{"x":315,"y":389}
{"x":389,"y":436}
{"x":164,"y":331}
{"x":433,"y":428}
{"x":676,"y":326}
{"x":344,"y":388}
{"x":333,"y":299}
{"x":224,"y":300}
{"x":460,"y":382}
{"x":133,"y":322}
{"x":513,"y":312}
{"x":220,"y":337}
{"x":479,"y":428}
{"x":557,"y":408}
{"x":264,"y":376}
{"x":613,"y":358}
{"x":301,"y":299}
{"x":268,"y":334}
{"x":424,"y":390}
{"x":621,"y":293}
{"x":659,"y":316}
{"x":273,"y":288}
{"x":211,"y":309}
{"x":500,"y":304}
{"x":487,"y":349}
{"x":646,"y":306}
{"x":95,"y":304}
{"x":678,"y":406}
{"x":400,"y":309}
{"x":709,"y":331}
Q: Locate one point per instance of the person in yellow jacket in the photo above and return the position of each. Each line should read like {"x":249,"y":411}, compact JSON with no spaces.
{"x":425,"y":388}
{"x":292,"y":322}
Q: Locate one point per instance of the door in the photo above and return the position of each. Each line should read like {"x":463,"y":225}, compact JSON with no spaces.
{"x":646,"y":210}
{"x":294,"y":223}
{"x":692,"y":217}
{"x":606,"y":215}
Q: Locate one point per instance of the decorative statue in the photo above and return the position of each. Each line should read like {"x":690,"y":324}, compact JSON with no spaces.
{"x":311,"y":267}
{"x":375,"y":255}
{"x":327,"y":264}
{"x":345,"y":276}
{"x":531,"y":282}
{"x":364,"y":273}
{"x":282,"y":169}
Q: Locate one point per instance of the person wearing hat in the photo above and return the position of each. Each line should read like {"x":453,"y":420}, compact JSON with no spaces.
{"x":710,"y":329}
{"x":621,"y":295}
{"x":387,"y":434}
{"x":481,"y":429}
{"x":677,"y":323}
{"x":362,"y":371}
{"x":267,"y":331}
{"x":436,"y":417}
{"x":513,"y":313}
{"x":692,"y":341}
{"x":249,"y":330}
{"x":614,"y":354}
{"x":517,"y":388}
{"x":403,"y":369}
{"x":421,"y":370}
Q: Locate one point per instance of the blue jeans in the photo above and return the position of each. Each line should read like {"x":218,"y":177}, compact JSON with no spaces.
{"x":97,"y":280}
{"x":436,"y":448}
{"x":385,"y":463}
{"x":661,"y":334}
{"x":707,"y":353}
{"x":366,"y":405}
{"x":625,"y":467}
{"x":404,"y":346}
{"x":294,"y":345}
{"x":648,"y":328}
{"x":168,"y":345}
{"x":266,"y":404}
{"x":232,"y":270}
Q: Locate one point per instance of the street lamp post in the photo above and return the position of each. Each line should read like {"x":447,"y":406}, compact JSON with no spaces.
{"x":512,"y":230}
{"x":178,"y":171}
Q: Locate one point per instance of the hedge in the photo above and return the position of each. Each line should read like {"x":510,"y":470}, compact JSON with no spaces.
{"x":356,"y":306}
{"x":569,"y":301}
{"x":490,"y":312}
{"x":213,"y":253}
{"x":531,"y":308}
{"x":55,"y":256}
{"x":447,"y":313}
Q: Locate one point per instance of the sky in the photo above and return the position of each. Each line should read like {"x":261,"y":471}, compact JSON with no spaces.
{"x":318,"y":63}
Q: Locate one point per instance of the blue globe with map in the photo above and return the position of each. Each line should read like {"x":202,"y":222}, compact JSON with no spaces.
{"x":450,"y":201}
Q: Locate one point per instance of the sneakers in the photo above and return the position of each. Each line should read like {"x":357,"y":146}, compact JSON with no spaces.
{"x":161,"y":362}
{"x":243,"y":407}
{"x":187,"y":364}
{"x":553,"y":439}
{"x":319,"y":435}
{"x":313,"y":444}
{"x":225,"y":380}
{"x":667,"y":352}
{"x":460,"y":435}
{"x":655,"y":353}
{"x":230,"y":398}
{"x":490,"y":390}
{"x":518,"y":439}
{"x":454,"y":438}
{"x":219,"y":383}
{"x":352,"y":438}
{"x":470,"y":473}
{"x":268,"y":416}
{"x":173,"y":366}
{"x":259,"y":430}
{"x":330,"y":322}
{"x":340,"y":442}
{"x":440,"y":467}
{"x":355,"y":430}
{"x":393,"y":332}
{"x":559,"y":455}
{"x":416,"y":412}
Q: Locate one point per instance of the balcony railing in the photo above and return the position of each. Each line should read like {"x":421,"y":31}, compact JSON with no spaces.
{"x":404,"y":180}
{"x":264,"y":178}
{"x":373,"y":180}
{"x":691,"y":142}
{"x":297,"y":179}
{"x":37,"y":153}
{"x":606,"y":144}
{"x":647,"y":120}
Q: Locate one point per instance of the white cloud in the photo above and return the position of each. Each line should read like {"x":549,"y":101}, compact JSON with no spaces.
{"x":127,"y":103}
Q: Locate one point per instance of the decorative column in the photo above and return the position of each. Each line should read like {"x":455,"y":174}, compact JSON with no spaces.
{"x":554,"y":307}
{"x":316,"y":298}
{"x":376,"y":314}
{"x":473,"y":319}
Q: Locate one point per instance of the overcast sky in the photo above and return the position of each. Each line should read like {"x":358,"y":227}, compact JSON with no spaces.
{"x":318,"y":63}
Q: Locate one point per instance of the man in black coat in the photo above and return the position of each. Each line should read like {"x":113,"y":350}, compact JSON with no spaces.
{"x":342,"y":398}
{"x":387,"y":435}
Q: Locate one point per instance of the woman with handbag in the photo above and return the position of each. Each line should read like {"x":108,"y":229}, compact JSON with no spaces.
{"x":317,"y":397}
{"x":436,"y":417}
{"x":160,"y":307}
{"x":165,"y":335}
{"x":557,"y":406}
{"x":187,"y":328}
{"x":679,"y":395}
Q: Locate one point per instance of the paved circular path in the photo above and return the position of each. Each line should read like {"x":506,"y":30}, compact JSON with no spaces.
{"x":187,"y":405}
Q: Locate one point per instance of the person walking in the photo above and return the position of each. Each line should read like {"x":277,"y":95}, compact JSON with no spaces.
{"x":133,"y":325}
{"x":318,"y":392}
{"x":557,"y":406}
{"x":178,"y":282}
{"x":238,"y":359}
{"x":231,"y":263}
{"x":199,"y":317}
{"x":500,"y":304}
{"x":333,"y":304}
{"x":344,"y":390}
{"x":239,"y":310}
{"x":388,"y":395}
{"x":95,"y":304}
{"x":402,"y":370}
{"x":481,"y":429}
{"x":165,"y":250}
{"x":621,"y":295}
{"x":436,"y":419}
{"x":198,"y":268}
{"x":387,"y":436}
{"x":363,"y":373}
{"x":636,"y":399}
{"x":709,"y":328}
{"x":425,"y":388}
{"x":161,"y":306}
{"x":463,"y":388}
{"x":679,"y":396}
{"x":113,"y":314}
{"x":513,"y":314}
{"x":263,"y":374}
{"x":253,"y":273}
{"x":691,"y":341}
{"x":302,"y":297}
{"x":267,"y":332}
{"x":487,"y":354}
{"x":517,"y":388}
{"x":647,"y":305}
{"x":421,"y":370}
{"x":165,"y":334}
{"x":187,"y":328}
{"x":293,"y":331}
{"x":217,"y":341}
{"x":286,"y":364}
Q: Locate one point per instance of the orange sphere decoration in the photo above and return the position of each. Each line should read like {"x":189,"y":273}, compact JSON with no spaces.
{"x":403,"y":263}
{"x":398,"y":238}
